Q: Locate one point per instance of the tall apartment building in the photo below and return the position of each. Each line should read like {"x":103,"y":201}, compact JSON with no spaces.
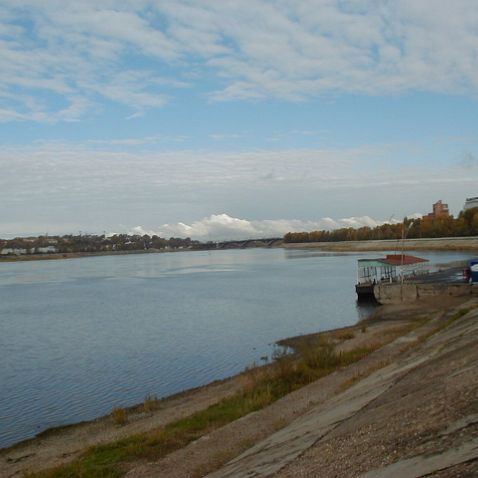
{"x":440,"y":210}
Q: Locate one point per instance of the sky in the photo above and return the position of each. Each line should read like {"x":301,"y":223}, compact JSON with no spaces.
{"x":234,"y":119}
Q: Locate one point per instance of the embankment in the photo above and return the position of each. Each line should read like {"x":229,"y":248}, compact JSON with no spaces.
{"x":416,"y":416}
{"x":435,"y":244}
{"x":397,"y":293}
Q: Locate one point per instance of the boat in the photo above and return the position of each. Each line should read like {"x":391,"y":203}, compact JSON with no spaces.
{"x":391,"y":268}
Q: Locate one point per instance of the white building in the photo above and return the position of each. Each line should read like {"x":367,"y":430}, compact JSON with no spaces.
{"x":470,"y":203}
{"x":17,"y":251}
{"x":45,"y":250}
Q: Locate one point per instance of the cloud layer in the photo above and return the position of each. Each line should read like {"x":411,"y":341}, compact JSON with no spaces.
{"x":224,"y":227}
{"x":62,"y":60}
{"x":66,"y":187}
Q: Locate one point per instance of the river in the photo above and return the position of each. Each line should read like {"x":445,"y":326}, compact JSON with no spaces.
{"x":80,"y":337}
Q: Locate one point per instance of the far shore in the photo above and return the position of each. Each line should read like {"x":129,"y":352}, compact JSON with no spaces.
{"x":426,"y":244}
{"x":79,"y":255}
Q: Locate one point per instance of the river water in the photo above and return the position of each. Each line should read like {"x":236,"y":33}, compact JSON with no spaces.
{"x":80,"y":337}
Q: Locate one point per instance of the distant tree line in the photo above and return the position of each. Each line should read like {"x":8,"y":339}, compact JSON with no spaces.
{"x":97,"y":243}
{"x":466,"y":224}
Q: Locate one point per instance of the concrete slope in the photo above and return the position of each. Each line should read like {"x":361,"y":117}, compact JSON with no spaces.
{"x":412,"y":418}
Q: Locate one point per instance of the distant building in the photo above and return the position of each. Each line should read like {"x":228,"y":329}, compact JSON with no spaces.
{"x":470,"y":203}
{"x":21,"y":251}
{"x":46,"y":250}
{"x":440,"y":210}
{"x":13,"y":251}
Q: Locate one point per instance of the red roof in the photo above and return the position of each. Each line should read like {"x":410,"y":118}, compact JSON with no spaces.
{"x":398,"y":259}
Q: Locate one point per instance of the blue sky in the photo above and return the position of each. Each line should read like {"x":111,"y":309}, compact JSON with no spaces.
{"x":234,"y":119}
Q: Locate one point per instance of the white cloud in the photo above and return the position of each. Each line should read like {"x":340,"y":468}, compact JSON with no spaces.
{"x":80,"y":53}
{"x":139,"y":141}
{"x":224,"y":136}
{"x":224,"y":227}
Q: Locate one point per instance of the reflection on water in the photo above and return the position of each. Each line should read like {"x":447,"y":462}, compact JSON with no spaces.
{"x":79,"y":337}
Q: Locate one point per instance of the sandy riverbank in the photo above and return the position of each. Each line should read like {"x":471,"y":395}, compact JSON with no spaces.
{"x":64,"y":445}
{"x":436,"y":244}
{"x":77,"y":255}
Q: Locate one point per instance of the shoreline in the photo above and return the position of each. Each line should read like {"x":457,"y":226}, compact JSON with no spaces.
{"x":135,"y":411}
{"x":464,"y":244}
{"x":79,"y":255}
{"x":424,"y":244}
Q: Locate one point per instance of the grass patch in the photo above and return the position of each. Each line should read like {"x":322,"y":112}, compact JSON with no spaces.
{"x":343,"y":335}
{"x":150,"y":404}
{"x":261,"y":387}
{"x":119,"y":416}
{"x":462,"y":312}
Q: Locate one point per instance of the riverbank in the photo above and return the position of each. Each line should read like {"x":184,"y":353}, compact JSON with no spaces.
{"x":68,"y":444}
{"x":435,"y":244}
{"x":413,"y":416}
{"x":77,"y":255}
